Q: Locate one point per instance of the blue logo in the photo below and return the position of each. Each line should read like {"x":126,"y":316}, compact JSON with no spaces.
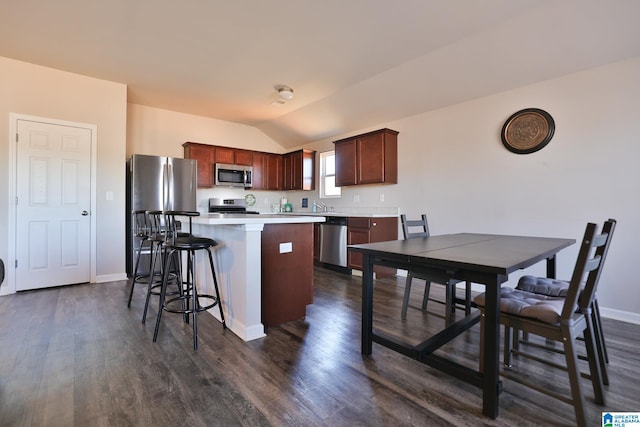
{"x":607,"y":420}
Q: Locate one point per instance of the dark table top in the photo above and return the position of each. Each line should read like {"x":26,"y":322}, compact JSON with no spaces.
{"x":488,"y":253}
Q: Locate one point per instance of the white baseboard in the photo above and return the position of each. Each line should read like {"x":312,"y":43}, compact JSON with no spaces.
{"x":623,"y":316}
{"x":111,"y":277}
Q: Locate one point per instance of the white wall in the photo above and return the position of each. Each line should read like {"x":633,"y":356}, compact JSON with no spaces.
{"x":160,"y":132}
{"x":454,"y":167}
{"x":155,"y":131}
{"x":44,"y":92}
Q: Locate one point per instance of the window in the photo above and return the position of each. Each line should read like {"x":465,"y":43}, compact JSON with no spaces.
{"x":328,"y":187}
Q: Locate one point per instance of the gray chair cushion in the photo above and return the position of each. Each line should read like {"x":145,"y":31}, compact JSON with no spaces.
{"x":527,"y":304}
{"x":544,"y":286}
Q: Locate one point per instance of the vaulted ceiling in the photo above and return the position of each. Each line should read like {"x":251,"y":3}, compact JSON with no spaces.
{"x":352,"y":63}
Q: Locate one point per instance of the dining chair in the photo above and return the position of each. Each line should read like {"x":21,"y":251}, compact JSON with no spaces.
{"x":560,"y":319}
{"x":554,"y":287}
{"x":412,"y":229}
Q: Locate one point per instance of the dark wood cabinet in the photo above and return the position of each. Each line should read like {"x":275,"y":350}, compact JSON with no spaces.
{"x":224,"y":155}
{"x":260,"y":171}
{"x":233,"y":156}
{"x":287,"y":171}
{"x":204,"y":154}
{"x":267,"y":171}
{"x":275,"y":172}
{"x":370,"y":158}
{"x":287,"y":275}
{"x":298,"y":169}
{"x":369,"y":230}
{"x":243,"y":157}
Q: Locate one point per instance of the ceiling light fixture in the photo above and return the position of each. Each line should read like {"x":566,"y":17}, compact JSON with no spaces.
{"x":285,"y":93}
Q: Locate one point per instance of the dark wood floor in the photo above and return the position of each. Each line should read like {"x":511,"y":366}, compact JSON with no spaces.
{"x":77,"y":356}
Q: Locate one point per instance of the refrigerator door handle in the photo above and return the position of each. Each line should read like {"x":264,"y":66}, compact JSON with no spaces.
{"x":169,"y":186}
{"x":165,"y":186}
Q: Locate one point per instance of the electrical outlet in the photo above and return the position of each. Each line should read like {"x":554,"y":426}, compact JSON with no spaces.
{"x":382,"y":197}
{"x":356,"y":198}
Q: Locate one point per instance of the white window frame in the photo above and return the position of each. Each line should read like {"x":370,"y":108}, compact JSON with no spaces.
{"x":323,"y":176}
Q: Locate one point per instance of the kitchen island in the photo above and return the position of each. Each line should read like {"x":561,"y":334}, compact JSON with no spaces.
{"x":264,"y":265}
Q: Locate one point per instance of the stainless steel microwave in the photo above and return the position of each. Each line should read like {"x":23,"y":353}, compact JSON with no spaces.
{"x":233,"y":175}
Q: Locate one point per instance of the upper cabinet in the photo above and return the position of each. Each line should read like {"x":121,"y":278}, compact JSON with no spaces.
{"x":370,"y":158}
{"x":204,"y":154}
{"x":260,"y":170}
{"x":267,"y":171}
{"x":275,"y":172}
{"x":298,"y":170}
{"x":233,"y":156}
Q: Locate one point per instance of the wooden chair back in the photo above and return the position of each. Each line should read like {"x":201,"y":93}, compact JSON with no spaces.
{"x":410,"y":227}
{"x":591,"y":257}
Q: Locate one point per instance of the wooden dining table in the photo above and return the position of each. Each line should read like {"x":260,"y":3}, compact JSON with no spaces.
{"x":485,"y":259}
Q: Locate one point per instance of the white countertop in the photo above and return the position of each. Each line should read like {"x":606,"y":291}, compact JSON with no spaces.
{"x":345,"y":214}
{"x":231,"y":219}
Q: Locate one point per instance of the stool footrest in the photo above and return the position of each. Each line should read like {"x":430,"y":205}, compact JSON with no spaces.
{"x":213,"y":301}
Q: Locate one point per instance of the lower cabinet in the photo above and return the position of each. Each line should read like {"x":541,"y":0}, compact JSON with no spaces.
{"x":369,"y":230}
{"x":287,"y":272}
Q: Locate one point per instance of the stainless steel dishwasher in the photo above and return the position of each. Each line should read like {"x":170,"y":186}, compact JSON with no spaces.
{"x":333,"y":241}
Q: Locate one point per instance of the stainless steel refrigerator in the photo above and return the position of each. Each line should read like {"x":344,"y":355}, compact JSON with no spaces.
{"x":157,"y":183}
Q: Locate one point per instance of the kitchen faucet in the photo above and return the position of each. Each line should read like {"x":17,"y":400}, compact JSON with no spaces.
{"x":322,"y":205}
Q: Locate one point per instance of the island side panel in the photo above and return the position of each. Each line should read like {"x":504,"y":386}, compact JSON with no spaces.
{"x":237,"y":260}
{"x":287,"y":272}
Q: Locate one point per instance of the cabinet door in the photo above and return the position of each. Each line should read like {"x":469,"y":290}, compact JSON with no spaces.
{"x":370,"y":155}
{"x":204,"y":155}
{"x":369,"y":230}
{"x":346,"y":164}
{"x":274,"y":172}
{"x":287,"y":277}
{"x":260,"y":164}
{"x":243,"y":157}
{"x":225,"y":155}
{"x":296,"y":170}
{"x":308,"y":170}
{"x":287,"y":171}
{"x":384,"y":229}
{"x":356,"y":236}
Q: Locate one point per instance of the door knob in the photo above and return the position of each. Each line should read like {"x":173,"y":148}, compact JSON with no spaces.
{"x":85,"y":213}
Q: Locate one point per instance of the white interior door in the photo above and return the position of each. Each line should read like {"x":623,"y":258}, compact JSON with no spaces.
{"x":53,"y":226}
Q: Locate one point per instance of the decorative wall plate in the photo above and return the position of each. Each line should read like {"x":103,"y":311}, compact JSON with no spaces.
{"x":528,"y":131}
{"x":250,"y":199}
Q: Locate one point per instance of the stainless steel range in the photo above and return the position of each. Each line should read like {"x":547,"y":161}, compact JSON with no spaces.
{"x":229,"y":206}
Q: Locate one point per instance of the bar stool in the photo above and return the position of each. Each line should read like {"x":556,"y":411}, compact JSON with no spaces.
{"x":189,"y":302}
{"x":157,"y":236}
{"x":140,"y":231}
